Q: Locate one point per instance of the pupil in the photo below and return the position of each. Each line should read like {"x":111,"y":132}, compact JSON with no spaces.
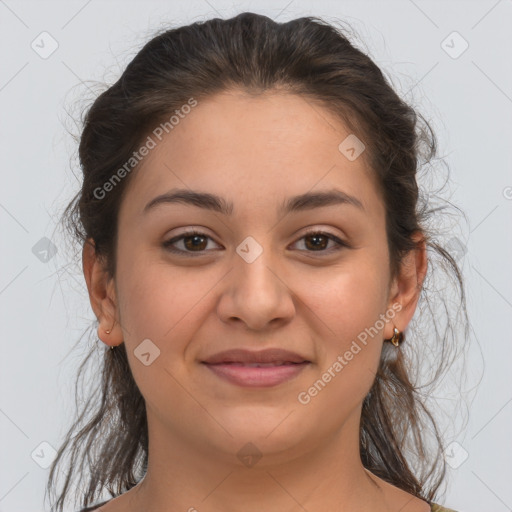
{"x":195,"y":238}
{"x":316,"y":237}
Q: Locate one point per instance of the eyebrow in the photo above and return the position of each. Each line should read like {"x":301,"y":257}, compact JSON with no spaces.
{"x":207,"y":201}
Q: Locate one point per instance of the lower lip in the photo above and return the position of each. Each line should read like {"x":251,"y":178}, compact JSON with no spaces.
{"x":251,"y":376}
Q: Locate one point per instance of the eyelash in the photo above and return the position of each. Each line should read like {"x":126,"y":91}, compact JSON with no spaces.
{"x":168,"y":244}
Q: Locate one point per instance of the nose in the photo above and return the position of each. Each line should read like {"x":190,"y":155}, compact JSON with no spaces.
{"x":256,"y":294}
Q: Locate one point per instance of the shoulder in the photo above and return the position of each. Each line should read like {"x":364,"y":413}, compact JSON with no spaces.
{"x":439,"y":508}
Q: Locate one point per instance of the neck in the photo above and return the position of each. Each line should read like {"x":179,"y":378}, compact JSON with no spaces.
{"x":326,"y":475}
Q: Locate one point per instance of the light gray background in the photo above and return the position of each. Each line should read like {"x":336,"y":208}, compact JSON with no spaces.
{"x":44,"y":305}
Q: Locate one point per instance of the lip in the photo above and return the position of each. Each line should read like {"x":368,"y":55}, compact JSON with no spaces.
{"x":269,"y":355}
{"x":239,"y":366}
{"x":252,"y":376}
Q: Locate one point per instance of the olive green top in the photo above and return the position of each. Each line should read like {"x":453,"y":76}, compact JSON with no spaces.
{"x":438,"y":508}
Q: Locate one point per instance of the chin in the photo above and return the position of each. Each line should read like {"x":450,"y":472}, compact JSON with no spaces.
{"x":271,"y":430}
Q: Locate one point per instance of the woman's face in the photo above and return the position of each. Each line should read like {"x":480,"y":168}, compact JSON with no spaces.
{"x":252,"y":279}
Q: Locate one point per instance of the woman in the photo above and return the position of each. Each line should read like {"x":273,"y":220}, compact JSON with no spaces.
{"x":254,"y":246}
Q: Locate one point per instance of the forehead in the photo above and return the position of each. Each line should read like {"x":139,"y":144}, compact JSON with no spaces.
{"x":253,"y":149}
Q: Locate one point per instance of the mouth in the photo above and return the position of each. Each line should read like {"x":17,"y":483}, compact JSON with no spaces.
{"x":256,"y":369}
{"x":259,"y":365}
{"x":257,"y":374}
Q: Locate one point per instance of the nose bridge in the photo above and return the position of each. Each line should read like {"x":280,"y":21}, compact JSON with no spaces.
{"x":254,"y":265}
{"x":256,"y":293}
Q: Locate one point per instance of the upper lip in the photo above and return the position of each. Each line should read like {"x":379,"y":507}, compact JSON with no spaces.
{"x":270,"y":355}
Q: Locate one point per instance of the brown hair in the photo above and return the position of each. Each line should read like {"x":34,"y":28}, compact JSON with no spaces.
{"x":308,"y":57}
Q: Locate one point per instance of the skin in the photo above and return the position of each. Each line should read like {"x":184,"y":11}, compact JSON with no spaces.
{"x":255,"y":152}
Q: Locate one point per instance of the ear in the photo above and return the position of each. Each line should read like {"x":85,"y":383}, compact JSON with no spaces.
{"x":406,"y":287}
{"x":102,"y":295}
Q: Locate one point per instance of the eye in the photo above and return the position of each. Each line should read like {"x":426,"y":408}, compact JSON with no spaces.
{"x":196,"y":242}
{"x":320,"y":240}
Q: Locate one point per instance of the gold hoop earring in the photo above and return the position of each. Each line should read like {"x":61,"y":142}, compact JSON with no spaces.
{"x":397,"y":338}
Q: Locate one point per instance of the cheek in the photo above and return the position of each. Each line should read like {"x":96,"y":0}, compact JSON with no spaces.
{"x":348,"y":301}
{"x":163,"y":304}
{"x":346,"y":313}
{"x":157,"y":315}
{"x":151,"y":302}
